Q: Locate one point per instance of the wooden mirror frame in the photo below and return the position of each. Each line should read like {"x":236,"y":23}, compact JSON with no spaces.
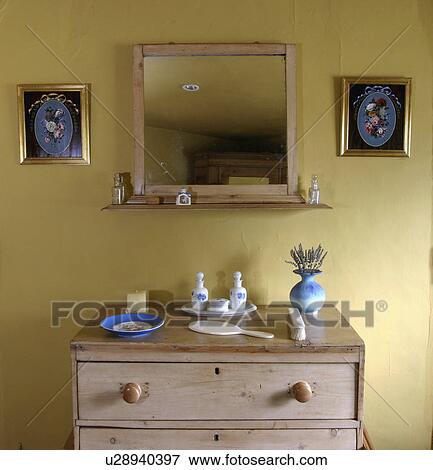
{"x":214,"y":194}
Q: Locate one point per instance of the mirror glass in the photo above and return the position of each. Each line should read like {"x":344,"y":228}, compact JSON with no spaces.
{"x":215,"y":120}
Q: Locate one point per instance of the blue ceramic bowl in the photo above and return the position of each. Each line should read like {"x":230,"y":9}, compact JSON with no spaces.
{"x":113,"y":322}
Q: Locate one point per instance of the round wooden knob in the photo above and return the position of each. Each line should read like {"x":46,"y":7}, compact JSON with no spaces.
{"x":131,"y":393}
{"x":302,"y":391}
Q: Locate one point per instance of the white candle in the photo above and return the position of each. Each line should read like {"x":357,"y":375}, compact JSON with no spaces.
{"x":136,"y":300}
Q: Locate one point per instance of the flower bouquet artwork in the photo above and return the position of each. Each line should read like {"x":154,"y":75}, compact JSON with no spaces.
{"x":375,"y":117}
{"x":54,"y":123}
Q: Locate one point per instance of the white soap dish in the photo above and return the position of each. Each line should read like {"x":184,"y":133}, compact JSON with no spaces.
{"x":218,"y":305}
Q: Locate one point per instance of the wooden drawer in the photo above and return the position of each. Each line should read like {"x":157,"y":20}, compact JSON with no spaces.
{"x":211,"y":391}
{"x":149,"y":439}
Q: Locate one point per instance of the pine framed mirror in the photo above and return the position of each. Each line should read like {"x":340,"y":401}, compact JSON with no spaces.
{"x":217,"y":119}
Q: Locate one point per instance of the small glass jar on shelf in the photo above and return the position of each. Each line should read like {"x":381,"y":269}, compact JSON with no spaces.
{"x":314,"y":191}
{"x":118,"y":190}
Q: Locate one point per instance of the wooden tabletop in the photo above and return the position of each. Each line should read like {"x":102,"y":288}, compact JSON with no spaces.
{"x":331,"y":331}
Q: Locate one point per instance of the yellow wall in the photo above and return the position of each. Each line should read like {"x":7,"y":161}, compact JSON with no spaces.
{"x":56,"y":244}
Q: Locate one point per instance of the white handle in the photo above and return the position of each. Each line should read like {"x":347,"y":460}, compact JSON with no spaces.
{"x":258,"y":334}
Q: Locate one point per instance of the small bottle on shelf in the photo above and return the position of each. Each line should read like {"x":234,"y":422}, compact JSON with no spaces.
{"x":183,"y":198}
{"x":118,"y":190}
{"x":314,"y":191}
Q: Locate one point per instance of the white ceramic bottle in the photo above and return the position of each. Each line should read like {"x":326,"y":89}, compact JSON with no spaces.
{"x":200,"y":294}
{"x":238,"y":294}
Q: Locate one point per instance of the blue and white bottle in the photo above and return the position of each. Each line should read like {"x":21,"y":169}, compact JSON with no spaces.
{"x":200,"y":294}
{"x":238,"y":294}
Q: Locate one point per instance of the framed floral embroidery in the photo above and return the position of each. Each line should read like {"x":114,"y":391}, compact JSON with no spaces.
{"x":54,"y":124}
{"x":375,"y":117}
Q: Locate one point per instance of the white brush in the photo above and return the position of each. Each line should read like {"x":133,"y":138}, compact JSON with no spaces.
{"x":297,"y":325}
{"x":210,"y":327}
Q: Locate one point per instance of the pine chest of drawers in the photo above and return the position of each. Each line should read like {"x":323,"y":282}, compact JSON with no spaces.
{"x":177,"y":389}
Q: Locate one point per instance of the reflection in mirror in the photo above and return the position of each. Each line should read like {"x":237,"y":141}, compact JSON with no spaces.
{"x":215,"y":120}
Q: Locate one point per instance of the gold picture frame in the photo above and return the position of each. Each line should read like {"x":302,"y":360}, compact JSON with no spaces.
{"x":53,"y":122}
{"x":375,"y":117}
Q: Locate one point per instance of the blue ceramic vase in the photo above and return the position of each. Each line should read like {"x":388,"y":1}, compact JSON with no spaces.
{"x":307,"y":295}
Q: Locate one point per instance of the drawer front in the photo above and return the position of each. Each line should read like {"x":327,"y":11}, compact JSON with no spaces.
{"x":211,"y":391}
{"x":150,"y":439}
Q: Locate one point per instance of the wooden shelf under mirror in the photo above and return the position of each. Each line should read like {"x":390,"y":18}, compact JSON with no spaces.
{"x":222,"y":115}
{"x":214,"y":197}
{"x":217,"y":206}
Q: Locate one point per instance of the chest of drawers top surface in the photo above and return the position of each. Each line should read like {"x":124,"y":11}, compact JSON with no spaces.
{"x":329,"y":332}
